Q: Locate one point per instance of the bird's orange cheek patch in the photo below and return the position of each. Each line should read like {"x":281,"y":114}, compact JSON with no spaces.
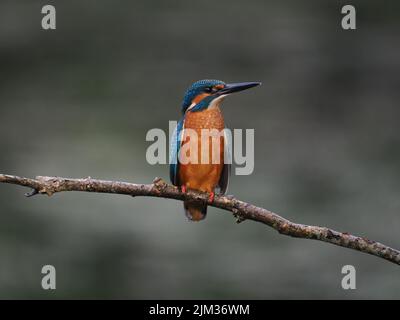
{"x":199,"y":97}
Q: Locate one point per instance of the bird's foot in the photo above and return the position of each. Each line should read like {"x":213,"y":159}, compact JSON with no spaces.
{"x":211,"y":197}
{"x":183,"y":189}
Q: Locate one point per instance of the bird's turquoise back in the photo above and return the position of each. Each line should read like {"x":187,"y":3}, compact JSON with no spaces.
{"x":174,"y":153}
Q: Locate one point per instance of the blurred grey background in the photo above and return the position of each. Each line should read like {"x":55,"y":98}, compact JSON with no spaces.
{"x":79,"y":100}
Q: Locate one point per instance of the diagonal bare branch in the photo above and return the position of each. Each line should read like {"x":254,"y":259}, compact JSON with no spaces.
{"x":240,"y":209}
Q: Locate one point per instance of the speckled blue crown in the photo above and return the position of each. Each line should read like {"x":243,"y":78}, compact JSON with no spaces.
{"x":195,"y":89}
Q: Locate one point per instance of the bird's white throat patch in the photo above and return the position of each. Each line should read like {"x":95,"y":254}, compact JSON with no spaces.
{"x":216,"y":102}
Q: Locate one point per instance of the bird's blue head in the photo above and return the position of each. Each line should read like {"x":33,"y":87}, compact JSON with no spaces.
{"x":201,"y":94}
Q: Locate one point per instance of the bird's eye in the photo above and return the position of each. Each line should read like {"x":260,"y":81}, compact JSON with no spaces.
{"x":208,"y":89}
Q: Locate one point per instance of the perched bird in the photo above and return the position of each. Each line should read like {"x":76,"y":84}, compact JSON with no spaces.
{"x":201,"y":110}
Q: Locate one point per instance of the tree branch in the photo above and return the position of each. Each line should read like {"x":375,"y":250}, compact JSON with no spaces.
{"x":241,"y":210}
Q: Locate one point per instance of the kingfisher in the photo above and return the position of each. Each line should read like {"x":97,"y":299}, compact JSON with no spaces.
{"x":201,"y":110}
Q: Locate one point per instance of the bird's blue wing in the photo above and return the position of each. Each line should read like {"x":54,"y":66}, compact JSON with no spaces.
{"x":226,"y":171}
{"x":176,"y":142}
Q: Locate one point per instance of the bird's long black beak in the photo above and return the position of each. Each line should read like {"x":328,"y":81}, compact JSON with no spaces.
{"x":236,"y":87}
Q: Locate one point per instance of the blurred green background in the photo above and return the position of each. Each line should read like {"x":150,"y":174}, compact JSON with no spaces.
{"x":79,"y":100}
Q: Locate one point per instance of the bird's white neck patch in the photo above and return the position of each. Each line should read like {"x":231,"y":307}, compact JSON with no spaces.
{"x":191,"y":106}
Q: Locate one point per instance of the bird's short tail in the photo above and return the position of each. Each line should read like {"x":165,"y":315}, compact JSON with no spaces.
{"x":195,"y":211}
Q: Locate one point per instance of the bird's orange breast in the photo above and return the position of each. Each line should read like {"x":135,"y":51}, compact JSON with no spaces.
{"x":205,"y":174}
